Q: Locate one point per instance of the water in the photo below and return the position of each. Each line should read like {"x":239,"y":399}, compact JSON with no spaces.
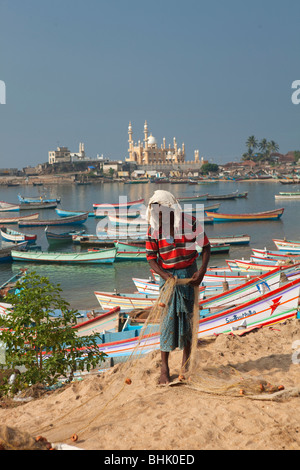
{"x":79,"y":282}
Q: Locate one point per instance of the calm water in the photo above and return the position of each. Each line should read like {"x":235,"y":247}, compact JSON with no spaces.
{"x":80,"y":282}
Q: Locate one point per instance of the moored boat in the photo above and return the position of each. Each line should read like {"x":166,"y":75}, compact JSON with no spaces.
{"x":8,"y":207}
{"x":13,"y":236}
{"x":287,"y":245}
{"x":121,"y":205}
{"x":259,"y":216}
{"x":108,"y":321}
{"x":64,"y":237}
{"x":285,"y":196}
{"x":19,"y":218}
{"x":37,"y":205}
{"x":88,"y":257}
{"x":72,"y":220}
{"x":126,"y":302}
{"x":190,"y":199}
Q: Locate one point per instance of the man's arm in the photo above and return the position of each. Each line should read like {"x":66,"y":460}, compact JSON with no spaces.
{"x":156,"y":268}
{"x":197,"y":278}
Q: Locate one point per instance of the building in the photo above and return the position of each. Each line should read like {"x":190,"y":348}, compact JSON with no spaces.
{"x":60,"y":155}
{"x":149,"y":153}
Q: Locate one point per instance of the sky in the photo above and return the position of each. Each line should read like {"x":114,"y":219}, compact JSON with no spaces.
{"x":210,"y":73}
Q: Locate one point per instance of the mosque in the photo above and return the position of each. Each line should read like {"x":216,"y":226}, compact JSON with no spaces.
{"x":149,"y":153}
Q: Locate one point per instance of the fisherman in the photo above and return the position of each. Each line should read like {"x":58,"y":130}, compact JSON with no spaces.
{"x":171,"y":252}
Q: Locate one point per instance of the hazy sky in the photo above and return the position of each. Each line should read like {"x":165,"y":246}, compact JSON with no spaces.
{"x":210,"y":73}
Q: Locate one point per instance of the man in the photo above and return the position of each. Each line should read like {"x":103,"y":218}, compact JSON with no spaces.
{"x":171,"y":252}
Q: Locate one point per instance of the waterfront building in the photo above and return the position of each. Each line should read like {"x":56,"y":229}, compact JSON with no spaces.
{"x":149,"y":153}
{"x":60,"y":155}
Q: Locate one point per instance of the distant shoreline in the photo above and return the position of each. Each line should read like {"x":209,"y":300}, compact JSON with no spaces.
{"x":70,"y":179}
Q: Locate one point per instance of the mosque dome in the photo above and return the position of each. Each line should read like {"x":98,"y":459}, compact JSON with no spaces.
{"x":152,"y":140}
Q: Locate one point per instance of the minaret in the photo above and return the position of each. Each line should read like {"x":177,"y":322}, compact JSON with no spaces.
{"x":130,"y":141}
{"x":146,"y":135}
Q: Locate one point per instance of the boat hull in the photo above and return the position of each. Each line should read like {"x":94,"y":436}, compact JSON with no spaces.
{"x":260,"y":216}
{"x":101,"y":256}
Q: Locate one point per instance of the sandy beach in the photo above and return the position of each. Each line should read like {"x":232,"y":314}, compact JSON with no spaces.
{"x":231,"y":402}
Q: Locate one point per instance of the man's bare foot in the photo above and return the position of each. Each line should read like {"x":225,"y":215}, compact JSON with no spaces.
{"x":164,"y":377}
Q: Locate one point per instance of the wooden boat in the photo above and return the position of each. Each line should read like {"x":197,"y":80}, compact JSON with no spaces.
{"x":290,"y":181}
{"x":128,"y":252}
{"x":26,"y":200}
{"x":190,"y":199}
{"x":287,"y":245}
{"x":231,"y":239}
{"x":87,"y":257}
{"x":37,"y":205}
{"x":126,"y":302}
{"x":259,"y":216}
{"x":199,"y":210}
{"x":4,"y":309}
{"x":72,"y":220}
{"x":18,"y":219}
{"x":107,"y":206}
{"x":108,"y":321}
{"x":13,"y":236}
{"x":5,"y":252}
{"x":277,"y":255}
{"x":274,"y":306}
{"x":248,"y":266}
{"x":8,"y":207}
{"x":295,"y":195}
{"x":213,"y":197}
{"x":10,"y":284}
{"x":124,"y":221}
{"x":139,"y":181}
{"x":64,"y":213}
{"x":64,"y":237}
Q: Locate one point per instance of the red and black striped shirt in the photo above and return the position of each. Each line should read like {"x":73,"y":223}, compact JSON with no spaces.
{"x":179,"y":252}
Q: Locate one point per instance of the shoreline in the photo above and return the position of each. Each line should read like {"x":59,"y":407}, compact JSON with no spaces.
{"x":64,"y":178}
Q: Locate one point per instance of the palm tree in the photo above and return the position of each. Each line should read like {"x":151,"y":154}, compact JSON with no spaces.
{"x":273,"y":147}
{"x":263,"y":145}
{"x":251,"y":142}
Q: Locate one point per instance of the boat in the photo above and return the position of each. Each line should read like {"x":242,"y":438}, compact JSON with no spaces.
{"x":212,"y":197}
{"x":9,"y":286}
{"x":128,"y":252}
{"x":278,"y":255}
{"x":19,"y":218}
{"x":5,"y":252}
{"x":295,"y":195}
{"x":37,"y":205}
{"x":123,"y":205}
{"x":138,"y":181}
{"x":231,"y":239}
{"x":72,"y":220}
{"x":26,"y":200}
{"x":199,"y":210}
{"x":64,"y":237}
{"x":126,"y":302}
{"x":13,"y":236}
{"x":124,"y":221}
{"x":108,"y":321}
{"x":8,"y":207}
{"x":259,"y":216}
{"x":249,"y":266}
{"x":287,"y":245}
{"x":64,"y":213}
{"x":290,"y":181}
{"x":190,"y":199}
{"x":268,"y":309}
{"x":4,"y":309}
{"x":87,"y":257}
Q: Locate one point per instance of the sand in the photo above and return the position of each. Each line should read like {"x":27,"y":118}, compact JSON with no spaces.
{"x":108,"y":414}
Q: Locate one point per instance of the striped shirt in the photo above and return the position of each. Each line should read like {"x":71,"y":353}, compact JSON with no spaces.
{"x":180,"y":252}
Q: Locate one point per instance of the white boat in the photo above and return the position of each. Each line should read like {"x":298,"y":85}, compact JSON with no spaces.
{"x":8,"y":207}
{"x":287,"y":245}
{"x":108,"y":321}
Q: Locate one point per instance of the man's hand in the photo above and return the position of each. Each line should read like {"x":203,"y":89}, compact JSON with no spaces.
{"x":197,"y":277}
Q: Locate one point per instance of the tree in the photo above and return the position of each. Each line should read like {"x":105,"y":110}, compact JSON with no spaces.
{"x":209,"y":167}
{"x":251,"y":143}
{"x":44,"y":345}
